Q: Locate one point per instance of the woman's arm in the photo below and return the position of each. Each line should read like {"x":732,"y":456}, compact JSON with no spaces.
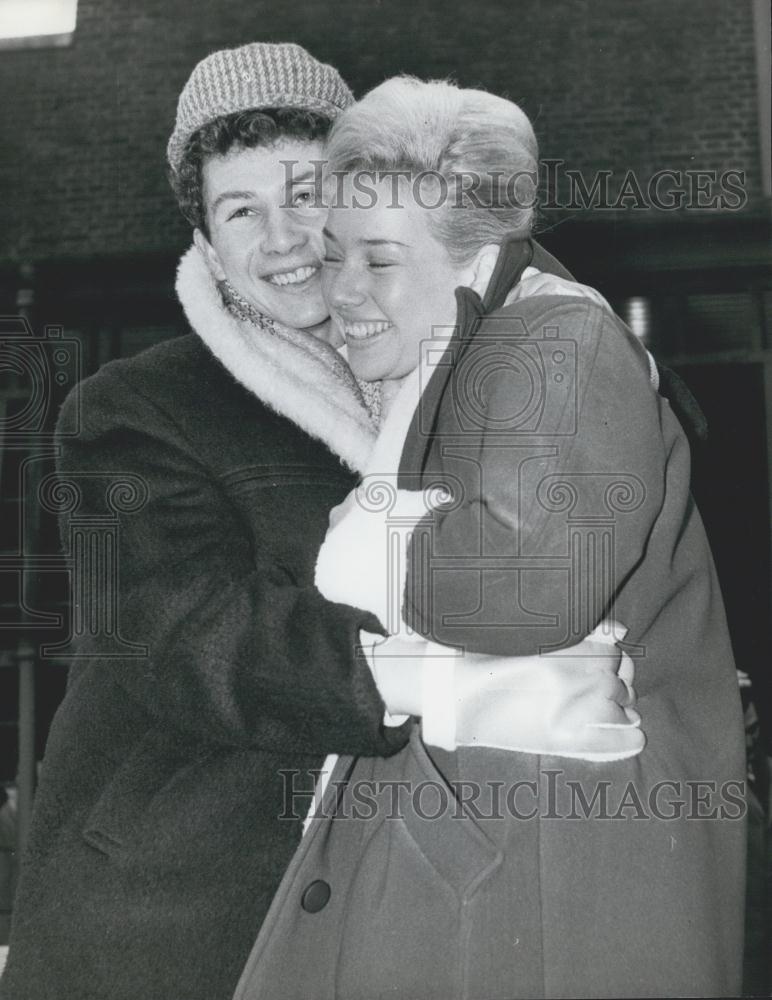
{"x":576,"y":702}
{"x":549,"y":517}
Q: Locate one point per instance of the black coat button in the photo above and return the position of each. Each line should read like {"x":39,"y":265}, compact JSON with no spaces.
{"x":316,"y":896}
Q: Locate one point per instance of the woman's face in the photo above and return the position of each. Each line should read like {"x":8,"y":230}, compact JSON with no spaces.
{"x":386,"y":279}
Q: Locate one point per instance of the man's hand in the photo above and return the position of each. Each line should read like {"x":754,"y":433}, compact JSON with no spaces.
{"x":341,"y":510}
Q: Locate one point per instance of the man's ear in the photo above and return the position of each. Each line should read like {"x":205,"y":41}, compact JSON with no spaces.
{"x":209,"y":254}
{"x":481,"y":268}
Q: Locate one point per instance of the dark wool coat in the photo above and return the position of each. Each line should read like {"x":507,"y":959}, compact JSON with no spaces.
{"x":570,"y":479}
{"x":157,"y":845}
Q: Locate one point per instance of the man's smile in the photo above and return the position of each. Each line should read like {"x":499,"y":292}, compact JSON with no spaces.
{"x":297,"y":276}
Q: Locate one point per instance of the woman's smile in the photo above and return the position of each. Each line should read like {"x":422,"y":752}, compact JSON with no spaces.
{"x":361,"y":333}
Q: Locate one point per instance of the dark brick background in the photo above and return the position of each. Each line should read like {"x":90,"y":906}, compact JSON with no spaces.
{"x":619,"y":84}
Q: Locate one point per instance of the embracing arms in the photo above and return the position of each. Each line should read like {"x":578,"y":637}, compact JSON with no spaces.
{"x":552,"y":506}
{"x":488,"y":573}
{"x":238,"y":651}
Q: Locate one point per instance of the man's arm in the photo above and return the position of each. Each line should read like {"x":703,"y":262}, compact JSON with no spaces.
{"x":238,"y":653}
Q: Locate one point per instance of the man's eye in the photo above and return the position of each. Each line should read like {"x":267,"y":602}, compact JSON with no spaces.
{"x":380,"y":264}
{"x":241,"y":213}
{"x":305,"y":198}
{"x":332,"y":260}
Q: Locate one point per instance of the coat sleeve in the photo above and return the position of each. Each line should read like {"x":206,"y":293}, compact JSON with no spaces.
{"x":237,"y":652}
{"x":554,"y":503}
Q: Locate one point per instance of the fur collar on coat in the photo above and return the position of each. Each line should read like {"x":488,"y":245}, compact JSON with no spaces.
{"x":291,"y":379}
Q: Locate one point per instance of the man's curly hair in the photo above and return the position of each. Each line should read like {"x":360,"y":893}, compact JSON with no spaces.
{"x":244,"y":130}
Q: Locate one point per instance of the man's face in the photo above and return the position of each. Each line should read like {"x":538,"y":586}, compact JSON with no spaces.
{"x":265,"y":233}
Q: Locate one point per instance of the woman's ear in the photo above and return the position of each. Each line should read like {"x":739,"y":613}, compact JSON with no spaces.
{"x":209,"y":254}
{"x":482,"y":267}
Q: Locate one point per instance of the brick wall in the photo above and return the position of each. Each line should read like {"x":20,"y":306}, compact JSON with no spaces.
{"x":611,"y":84}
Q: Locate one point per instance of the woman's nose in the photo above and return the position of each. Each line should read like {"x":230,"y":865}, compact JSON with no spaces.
{"x":344,"y":289}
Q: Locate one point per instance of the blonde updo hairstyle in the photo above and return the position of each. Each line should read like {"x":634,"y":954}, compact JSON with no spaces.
{"x":479,"y":148}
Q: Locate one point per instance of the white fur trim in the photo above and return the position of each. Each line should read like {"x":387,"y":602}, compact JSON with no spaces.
{"x":363,"y":559}
{"x":278,"y":372}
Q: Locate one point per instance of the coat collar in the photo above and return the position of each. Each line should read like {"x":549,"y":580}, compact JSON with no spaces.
{"x":514,"y":257}
{"x":288,"y":377}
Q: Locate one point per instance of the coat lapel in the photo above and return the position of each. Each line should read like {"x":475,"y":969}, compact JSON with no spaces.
{"x":514,"y":257}
{"x":290,"y":380}
{"x":422,"y":427}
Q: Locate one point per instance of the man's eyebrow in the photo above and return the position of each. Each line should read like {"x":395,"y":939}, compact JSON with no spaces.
{"x":303,"y":177}
{"x":231,"y":196}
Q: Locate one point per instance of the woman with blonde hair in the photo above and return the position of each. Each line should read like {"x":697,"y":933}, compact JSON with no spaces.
{"x":543,"y":484}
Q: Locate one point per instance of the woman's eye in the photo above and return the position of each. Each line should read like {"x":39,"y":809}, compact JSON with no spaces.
{"x":380,"y":264}
{"x":332,"y":260}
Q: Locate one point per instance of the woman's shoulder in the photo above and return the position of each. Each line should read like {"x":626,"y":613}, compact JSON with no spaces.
{"x":582,"y":324}
{"x":558,"y":354}
{"x":572,"y":312}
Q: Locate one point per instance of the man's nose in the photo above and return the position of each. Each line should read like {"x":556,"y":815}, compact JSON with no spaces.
{"x":281,"y":235}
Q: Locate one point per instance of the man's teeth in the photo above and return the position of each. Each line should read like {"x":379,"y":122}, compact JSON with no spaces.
{"x":292,"y":277}
{"x":360,"y":331}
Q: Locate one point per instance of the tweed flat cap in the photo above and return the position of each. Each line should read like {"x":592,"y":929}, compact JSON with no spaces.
{"x":258,"y":75}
